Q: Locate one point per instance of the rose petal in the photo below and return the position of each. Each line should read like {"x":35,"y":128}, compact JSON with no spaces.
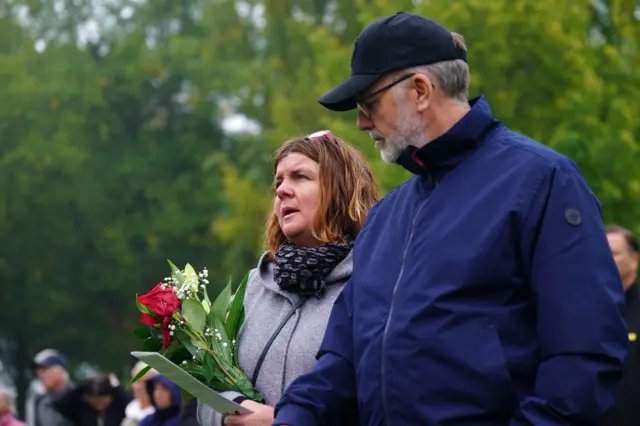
{"x":148,"y":319}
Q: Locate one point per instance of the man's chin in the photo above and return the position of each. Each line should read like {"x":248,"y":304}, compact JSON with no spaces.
{"x":390,"y":156}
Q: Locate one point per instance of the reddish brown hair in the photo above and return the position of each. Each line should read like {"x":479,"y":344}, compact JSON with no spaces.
{"x":347,"y":189}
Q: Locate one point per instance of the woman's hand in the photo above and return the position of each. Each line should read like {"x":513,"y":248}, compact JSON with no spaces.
{"x":262,"y":415}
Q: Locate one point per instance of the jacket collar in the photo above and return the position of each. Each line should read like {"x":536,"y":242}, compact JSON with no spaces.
{"x":449,"y":149}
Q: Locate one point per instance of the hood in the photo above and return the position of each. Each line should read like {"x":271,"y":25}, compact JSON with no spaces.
{"x":176,"y":393}
{"x":264,"y":272}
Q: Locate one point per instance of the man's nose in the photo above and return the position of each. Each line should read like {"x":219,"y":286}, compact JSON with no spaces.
{"x":364,"y":121}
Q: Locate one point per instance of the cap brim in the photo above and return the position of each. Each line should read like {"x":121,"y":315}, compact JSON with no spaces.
{"x":343,"y":97}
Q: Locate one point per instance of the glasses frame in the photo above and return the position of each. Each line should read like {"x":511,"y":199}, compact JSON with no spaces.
{"x":362,"y":103}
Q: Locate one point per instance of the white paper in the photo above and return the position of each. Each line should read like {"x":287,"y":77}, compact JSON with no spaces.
{"x":190,"y":384}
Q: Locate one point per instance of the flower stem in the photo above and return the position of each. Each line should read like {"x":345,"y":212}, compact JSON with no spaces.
{"x":198,"y":337}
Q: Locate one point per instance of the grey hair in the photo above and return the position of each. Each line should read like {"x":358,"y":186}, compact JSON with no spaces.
{"x":8,"y":395}
{"x":452,"y":77}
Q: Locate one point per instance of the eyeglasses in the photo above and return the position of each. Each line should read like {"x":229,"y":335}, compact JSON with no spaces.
{"x":322,"y":134}
{"x":362,"y":104}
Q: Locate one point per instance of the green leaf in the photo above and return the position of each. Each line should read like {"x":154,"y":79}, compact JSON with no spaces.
{"x":185,"y":341}
{"x":144,"y":309}
{"x":143,"y":332}
{"x":221,"y":304}
{"x":194,"y":369}
{"x":152,"y":345}
{"x":140,"y":374}
{"x":177,"y":353}
{"x":194,"y":314}
{"x":174,"y":268}
{"x":220,"y":345}
{"x":236,"y":313}
{"x":176,"y":274}
{"x":189,"y":271}
{"x":209,"y":367}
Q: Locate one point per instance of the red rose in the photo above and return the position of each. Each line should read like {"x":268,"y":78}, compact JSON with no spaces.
{"x":162,"y":302}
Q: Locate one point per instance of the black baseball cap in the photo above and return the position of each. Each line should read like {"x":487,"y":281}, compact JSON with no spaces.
{"x":388,"y":44}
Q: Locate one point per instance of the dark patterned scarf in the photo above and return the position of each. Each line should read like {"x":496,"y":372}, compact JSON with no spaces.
{"x":303,"y":270}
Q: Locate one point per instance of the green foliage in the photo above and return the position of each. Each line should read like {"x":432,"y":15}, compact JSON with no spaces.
{"x":221,"y":304}
{"x":143,"y":332}
{"x":194,"y":314}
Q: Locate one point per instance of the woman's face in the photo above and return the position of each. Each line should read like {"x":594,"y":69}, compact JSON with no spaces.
{"x":297,"y":198}
{"x":161,"y":396}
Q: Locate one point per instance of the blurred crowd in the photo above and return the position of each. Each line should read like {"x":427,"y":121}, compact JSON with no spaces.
{"x":101,"y":400}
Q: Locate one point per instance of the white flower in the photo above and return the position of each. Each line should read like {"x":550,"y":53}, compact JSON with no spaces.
{"x":171,"y":333}
{"x":184,"y":362}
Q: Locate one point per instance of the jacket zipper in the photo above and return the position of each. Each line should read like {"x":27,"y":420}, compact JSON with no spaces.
{"x":393,"y":299}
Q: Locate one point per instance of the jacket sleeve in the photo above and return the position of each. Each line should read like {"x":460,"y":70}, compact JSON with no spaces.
{"x":326,"y":395}
{"x":207,"y":416}
{"x":578,"y":296}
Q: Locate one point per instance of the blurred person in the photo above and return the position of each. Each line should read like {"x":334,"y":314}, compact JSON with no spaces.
{"x":166,"y":398}
{"x":323,"y":190}
{"x":484,"y":291}
{"x":98,"y":401}
{"x":51,"y":370}
{"x":6,"y":404}
{"x":624,"y":246}
{"x":140,"y":407}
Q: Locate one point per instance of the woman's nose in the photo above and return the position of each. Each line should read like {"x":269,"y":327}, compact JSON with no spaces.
{"x":284,"y":190}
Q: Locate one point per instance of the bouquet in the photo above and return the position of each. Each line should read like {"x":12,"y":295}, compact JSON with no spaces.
{"x":183,"y":324}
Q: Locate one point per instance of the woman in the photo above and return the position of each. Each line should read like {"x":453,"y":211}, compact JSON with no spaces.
{"x":323,"y":192}
{"x":166,"y":398}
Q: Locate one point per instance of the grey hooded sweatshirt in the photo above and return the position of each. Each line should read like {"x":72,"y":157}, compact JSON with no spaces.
{"x":294,"y":350}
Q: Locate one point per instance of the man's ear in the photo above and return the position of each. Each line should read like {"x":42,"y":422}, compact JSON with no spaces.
{"x":423,"y":91}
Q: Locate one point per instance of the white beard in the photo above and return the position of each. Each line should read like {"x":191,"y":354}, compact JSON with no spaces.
{"x":409,"y":130}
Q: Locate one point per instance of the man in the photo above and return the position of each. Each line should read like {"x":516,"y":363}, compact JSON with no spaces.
{"x":624,"y":247}
{"x":483,"y":291}
{"x":51,"y":368}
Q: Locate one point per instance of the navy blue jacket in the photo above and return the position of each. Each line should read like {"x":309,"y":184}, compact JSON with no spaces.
{"x":484,"y":292}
